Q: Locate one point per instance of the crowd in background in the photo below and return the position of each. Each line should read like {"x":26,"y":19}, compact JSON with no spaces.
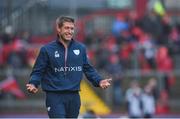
{"x":145,"y":101}
{"x":152,"y":40}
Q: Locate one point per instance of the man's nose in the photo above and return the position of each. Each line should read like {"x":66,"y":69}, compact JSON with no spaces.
{"x":70,"y":31}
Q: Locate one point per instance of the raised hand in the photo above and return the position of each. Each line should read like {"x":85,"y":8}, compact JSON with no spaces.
{"x":31,"y":88}
{"x":105,"y":83}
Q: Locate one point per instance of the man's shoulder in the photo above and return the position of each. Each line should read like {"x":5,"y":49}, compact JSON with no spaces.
{"x":79,"y":44}
{"x":50,"y":44}
{"x":53,"y":42}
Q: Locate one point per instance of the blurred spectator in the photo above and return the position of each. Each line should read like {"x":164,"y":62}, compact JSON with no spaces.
{"x":119,"y":25}
{"x":148,"y":48}
{"x":111,"y":44}
{"x":153,"y":84}
{"x":25,"y":37}
{"x":103,"y":54}
{"x":6,"y":49}
{"x":125,"y":52}
{"x":165,"y":66}
{"x":13,"y":50}
{"x":166,"y":27}
{"x":10,"y":86}
{"x":163,"y":103}
{"x":134,"y":100}
{"x":174,"y":41}
{"x":151,"y":23}
{"x":133,"y":19}
{"x":148,"y":101}
{"x":8,"y":35}
{"x":115,"y":70}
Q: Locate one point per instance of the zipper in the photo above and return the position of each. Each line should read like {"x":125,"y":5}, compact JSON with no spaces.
{"x":65,"y":59}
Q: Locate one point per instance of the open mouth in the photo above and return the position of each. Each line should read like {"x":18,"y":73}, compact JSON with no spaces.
{"x":68,"y":35}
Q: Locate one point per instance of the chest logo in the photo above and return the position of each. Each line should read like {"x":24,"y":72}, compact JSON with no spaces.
{"x":56,"y":54}
{"x":48,"y":109}
{"x":76,"y":52}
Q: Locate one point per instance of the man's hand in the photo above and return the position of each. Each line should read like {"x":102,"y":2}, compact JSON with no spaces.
{"x":31,"y":88}
{"x":105,"y":83}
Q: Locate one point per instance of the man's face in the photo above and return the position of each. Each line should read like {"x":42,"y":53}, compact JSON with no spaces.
{"x":66,"y":31}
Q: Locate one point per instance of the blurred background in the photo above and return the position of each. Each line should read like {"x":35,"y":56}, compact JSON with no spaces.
{"x":137,"y":42}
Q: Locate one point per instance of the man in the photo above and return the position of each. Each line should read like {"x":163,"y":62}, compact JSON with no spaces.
{"x":59,"y":68}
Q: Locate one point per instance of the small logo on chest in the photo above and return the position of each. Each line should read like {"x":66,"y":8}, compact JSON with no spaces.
{"x":56,"y":54}
{"x":76,"y":52}
{"x":48,"y":109}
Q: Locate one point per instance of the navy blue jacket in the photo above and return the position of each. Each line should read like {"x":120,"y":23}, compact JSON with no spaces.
{"x":61,"y":69}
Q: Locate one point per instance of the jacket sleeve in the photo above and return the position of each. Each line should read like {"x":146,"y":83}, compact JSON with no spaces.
{"x":90,"y":72}
{"x":39,"y":68}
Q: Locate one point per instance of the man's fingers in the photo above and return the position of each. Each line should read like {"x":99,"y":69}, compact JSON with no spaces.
{"x":105,"y":83}
{"x":104,"y":87}
{"x":34,"y":90}
{"x":28,"y":84}
{"x":31,"y":88}
{"x":109,"y":80}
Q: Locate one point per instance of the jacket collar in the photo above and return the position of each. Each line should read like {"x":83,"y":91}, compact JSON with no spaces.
{"x":58,"y":42}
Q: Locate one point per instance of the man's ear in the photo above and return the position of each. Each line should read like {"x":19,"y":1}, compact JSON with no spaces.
{"x":57,"y":28}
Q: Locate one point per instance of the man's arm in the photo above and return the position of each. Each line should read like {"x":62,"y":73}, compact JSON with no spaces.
{"x":38,"y":71}
{"x":93,"y":76}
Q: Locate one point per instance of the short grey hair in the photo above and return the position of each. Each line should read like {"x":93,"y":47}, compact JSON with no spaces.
{"x":60,"y":20}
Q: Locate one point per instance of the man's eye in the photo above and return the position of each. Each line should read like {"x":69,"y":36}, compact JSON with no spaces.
{"x":69,"y":28}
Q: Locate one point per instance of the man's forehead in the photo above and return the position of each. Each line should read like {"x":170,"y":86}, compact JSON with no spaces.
{"x":68,"y":24}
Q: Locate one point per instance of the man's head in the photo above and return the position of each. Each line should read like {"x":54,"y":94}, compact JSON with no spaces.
{"x":65,"y":27}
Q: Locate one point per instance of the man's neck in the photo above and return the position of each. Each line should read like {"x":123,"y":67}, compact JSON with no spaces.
{"x":64,"y":42}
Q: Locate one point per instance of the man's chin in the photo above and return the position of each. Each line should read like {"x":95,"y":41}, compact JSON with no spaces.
{"x":68,"y":39}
